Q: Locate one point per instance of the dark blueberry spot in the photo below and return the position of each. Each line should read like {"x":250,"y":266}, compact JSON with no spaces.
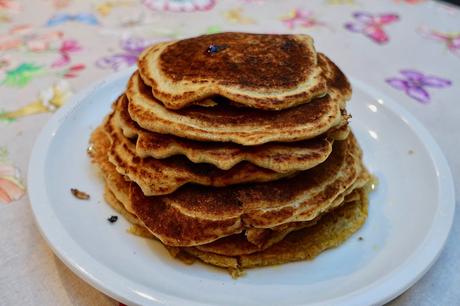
{"x":288,"y":45}
{"x":215,"y":48}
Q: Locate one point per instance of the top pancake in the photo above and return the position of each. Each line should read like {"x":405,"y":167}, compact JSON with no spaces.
{"x":270,"y":72}
{"x":227,"y":123}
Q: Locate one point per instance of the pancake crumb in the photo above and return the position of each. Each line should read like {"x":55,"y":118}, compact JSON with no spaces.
{"x":79,"y":194}
{"x":112,"y":219}
{"x":236,"y":273}
{"x":90,"y":149}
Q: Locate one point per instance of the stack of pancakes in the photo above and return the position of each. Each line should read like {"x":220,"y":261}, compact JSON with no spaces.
{"x":235,"y":149}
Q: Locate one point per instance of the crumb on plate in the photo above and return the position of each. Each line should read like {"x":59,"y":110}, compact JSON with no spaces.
{"x":112,"y":219}
{"x":79,"y":194}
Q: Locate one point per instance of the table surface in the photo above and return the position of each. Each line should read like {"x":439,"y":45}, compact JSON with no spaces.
{"x":52,"y":48}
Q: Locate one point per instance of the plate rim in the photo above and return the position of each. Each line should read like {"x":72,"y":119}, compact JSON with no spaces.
{"x":122,"y":289}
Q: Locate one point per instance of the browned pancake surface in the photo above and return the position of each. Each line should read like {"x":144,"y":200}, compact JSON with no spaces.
{"x":332,"y":230}
{"x":246,"y":60}
{"x":279,"y":157}
{"x":258,"y":70}
{"x":195,"y":214}
{"x":225,"y":113}
{"x":163,"y":176}
{"x":226,"y":123}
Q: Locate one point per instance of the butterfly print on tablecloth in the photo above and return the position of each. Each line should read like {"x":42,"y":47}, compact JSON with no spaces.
{"x":131,"y":48}
{"x":372,"y":25}
{"x":85,"y":18}
{"x":415,"y":84}
{"x":301,"y":18}
{"x":180,"y":5}
{"x":450,"y":40}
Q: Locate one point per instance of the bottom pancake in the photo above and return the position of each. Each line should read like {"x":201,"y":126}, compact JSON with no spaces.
{"x":329,"y":231}
{"x":332,"y":230}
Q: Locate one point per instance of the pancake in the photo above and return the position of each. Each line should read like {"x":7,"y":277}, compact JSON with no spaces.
{"x":233,"y":245}
{"x":219,"y":212}
{"x":253,"y":240}
{"x":279,"y":157}
{"x":195,"y":215}
{"x":163,"y":176}
{"x":340,"y":132}
{"x":270,"y":72}
{"x":332,"y":230}
{"x":238,"y":245}
{"x":99,"y":145}
{"x":258,"y":236}
{"x":226,"y":123}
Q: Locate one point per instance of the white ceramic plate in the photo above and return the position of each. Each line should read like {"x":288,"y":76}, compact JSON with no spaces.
{"x":410,"y":215}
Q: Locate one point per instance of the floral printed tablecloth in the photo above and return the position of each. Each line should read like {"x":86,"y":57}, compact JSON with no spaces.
{"x":49,"y":49}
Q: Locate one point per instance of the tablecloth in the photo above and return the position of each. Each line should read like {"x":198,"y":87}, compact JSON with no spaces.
{"x":50,"y":49}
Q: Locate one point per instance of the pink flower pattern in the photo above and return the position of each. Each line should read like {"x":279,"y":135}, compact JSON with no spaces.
{"x":67,"y":47}
{"x":11,"y":188}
